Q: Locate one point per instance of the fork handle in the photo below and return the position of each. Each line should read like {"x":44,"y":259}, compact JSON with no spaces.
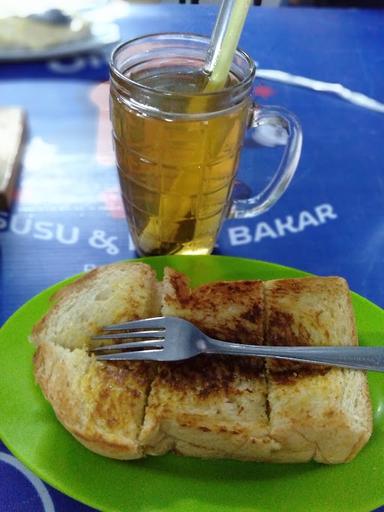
{"x":359,"y":358}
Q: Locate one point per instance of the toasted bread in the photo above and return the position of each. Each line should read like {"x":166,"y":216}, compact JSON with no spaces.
{"x":224,"y":310}
{"x":101,"y":404}
{"x":108,"y":294}
{"x":316,"y":412}
{"x":221,"y":407}
{"x":210,"y":406}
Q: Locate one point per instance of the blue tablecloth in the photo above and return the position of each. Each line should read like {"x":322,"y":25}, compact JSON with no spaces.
{"x":67,"y":215}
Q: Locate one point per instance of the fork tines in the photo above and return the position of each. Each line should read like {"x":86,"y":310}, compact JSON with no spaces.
{"x":150,"y":332}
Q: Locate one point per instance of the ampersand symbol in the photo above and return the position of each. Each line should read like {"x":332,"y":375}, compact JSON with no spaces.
{"x":99,"y":240}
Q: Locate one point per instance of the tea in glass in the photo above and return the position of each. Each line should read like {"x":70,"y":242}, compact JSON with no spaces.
{"x":176,"y":170}
{"x":177,"y":146}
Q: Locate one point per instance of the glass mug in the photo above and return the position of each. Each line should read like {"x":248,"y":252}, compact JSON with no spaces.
{"x":177,"y":148}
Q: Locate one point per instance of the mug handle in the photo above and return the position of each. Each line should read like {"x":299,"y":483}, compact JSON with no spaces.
{"x":289,"y":126}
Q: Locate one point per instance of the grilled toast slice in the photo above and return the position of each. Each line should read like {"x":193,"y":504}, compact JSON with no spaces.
{"x":212,"y":406}
{"x":316,"y":412}
{"x":101,"y":404}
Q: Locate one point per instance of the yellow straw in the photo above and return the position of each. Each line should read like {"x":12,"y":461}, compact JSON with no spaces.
{"x":225,"y":39}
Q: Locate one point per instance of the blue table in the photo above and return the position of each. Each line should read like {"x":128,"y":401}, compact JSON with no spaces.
{"x":67,"y":216}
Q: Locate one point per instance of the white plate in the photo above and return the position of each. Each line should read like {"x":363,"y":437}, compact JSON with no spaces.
{"x":102,"y":34}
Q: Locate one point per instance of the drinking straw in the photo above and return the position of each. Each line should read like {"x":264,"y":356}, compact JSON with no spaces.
{"x":224,"y":40}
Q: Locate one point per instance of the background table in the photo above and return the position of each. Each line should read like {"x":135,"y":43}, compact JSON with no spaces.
{"x":67,"y":216}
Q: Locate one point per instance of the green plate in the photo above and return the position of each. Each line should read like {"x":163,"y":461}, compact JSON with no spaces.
{"x":181,"y":484}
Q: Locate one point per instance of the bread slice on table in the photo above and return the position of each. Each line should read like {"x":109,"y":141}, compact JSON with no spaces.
{"x":212,"y":406}
{"x":316,"y":412}
{"x":101,"y":404}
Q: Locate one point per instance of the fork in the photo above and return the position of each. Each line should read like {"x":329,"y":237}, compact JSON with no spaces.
{"x":175,"y":339}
